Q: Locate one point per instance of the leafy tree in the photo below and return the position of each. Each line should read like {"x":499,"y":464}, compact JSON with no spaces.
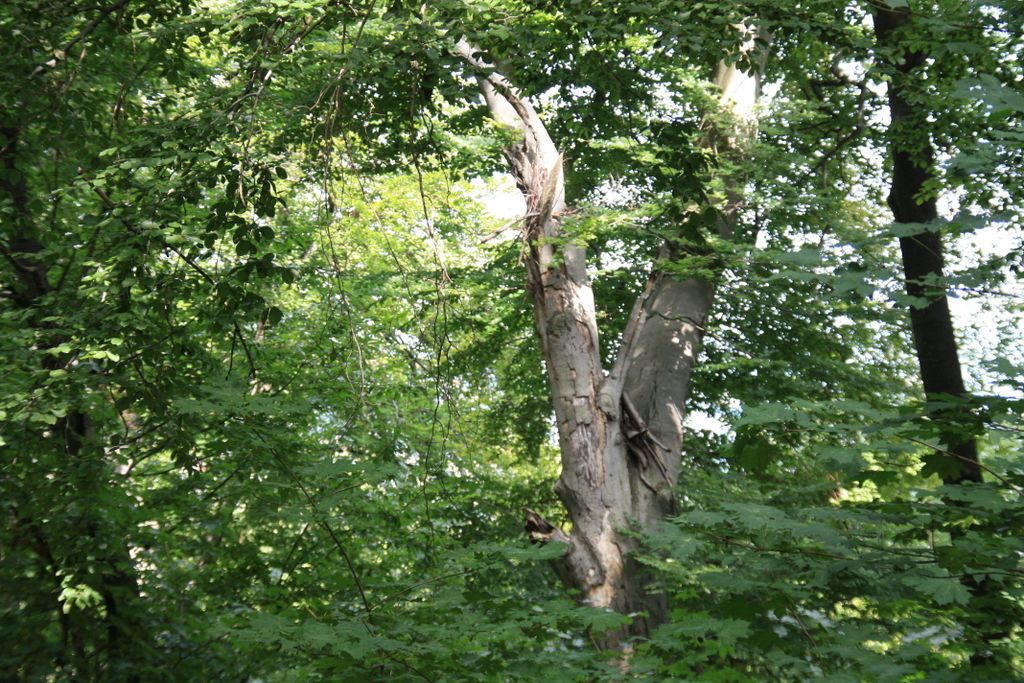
{"x":275,"y":395}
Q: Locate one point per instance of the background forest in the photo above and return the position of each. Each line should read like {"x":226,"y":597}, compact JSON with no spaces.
{"x":280,"y":371}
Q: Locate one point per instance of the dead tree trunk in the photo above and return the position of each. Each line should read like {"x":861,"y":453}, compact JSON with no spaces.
{"x":620,"y":433}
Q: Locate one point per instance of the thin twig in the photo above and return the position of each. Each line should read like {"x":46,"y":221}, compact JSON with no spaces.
{"x":81,"y":35}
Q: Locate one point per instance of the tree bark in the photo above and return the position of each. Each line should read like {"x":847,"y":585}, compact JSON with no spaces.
{"x":913,"y":202}
{"x":620,"y":434}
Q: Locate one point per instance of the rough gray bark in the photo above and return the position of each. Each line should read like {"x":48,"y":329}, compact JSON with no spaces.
{"x":620,"y":433}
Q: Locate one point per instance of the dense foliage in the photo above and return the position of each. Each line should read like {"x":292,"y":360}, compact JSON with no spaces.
{"x":272,"y":402}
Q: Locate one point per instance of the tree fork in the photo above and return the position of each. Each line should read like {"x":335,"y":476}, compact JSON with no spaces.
{"x":620,"y":434}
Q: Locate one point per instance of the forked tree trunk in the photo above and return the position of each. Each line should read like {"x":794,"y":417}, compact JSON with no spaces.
{"x":620,"y":433}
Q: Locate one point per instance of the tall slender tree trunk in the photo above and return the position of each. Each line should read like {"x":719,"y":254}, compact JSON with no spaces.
{"x":107,"y":568}
{"x":620,"y":432}
{"x":912,"y":200}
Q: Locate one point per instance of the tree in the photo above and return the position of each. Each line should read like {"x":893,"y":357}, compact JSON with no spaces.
{"x":274,"y":395}
{"x":913,"y":201}
{"x":620,"y":432}
{"x":912,"y":161}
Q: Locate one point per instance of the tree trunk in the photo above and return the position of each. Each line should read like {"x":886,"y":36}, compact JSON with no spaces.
{"x":109,"y":567}
{"x":913,"y":202}
{"x":620,"y":434}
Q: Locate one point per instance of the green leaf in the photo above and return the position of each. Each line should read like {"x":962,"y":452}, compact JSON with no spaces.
{"x":943,"y":590}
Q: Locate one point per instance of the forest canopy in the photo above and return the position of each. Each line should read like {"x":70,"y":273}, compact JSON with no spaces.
{"x":487,"y":340}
